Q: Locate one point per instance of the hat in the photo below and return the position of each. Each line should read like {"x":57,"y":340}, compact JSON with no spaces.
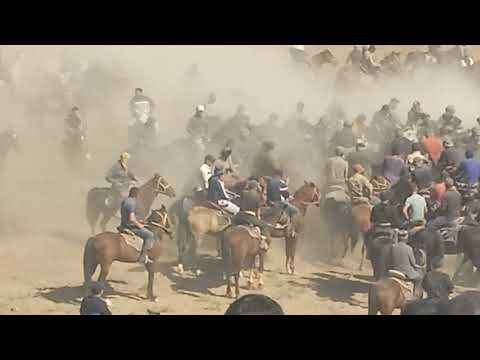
{"x":395,"y":100}
{"x":447,"y":143}
{"x":124,"y":156}
{"x":357,"y":168}
{"x":201,"y":108}
{"x":402,"y":233}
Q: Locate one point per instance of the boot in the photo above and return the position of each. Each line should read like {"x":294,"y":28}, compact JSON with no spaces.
{"x":143,"y":258}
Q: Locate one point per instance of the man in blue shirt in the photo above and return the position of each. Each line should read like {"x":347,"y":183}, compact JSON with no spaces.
{"x":469,"y":169}
{"x":278,"y":195}
{"x":129,"y":221}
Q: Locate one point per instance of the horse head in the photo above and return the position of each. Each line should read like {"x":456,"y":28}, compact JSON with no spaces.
{"x":308,"y":194}
{"x":161,"y":186}
{"x":159,"y":220}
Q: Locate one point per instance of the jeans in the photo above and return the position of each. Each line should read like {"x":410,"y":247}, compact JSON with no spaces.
{"x":146,"y":235}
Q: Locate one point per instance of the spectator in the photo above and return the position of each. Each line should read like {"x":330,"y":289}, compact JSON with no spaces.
{"x":254,"y":304}
{"x":94,"y":304}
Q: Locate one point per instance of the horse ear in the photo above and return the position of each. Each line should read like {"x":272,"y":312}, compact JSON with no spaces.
{"x":156,"y":175}
{"x":164,"y":208}
{"x":312,"y":184}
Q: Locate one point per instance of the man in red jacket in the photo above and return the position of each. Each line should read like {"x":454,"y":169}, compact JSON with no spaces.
{"x":432,"y":145}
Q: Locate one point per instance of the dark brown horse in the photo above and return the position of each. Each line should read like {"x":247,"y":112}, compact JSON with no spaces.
{"x":105,"y":248}
{"x":240,"y":250}
{"x":148,"y":192}
{"x":307,"y":195}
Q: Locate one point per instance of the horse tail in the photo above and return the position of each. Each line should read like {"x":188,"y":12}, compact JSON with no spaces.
{"x":372,"y":300}
{"x":89,"y":264}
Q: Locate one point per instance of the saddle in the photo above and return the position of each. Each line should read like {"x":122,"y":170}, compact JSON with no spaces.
{"x":405,"y":285}
{"x":255,"y":233}
{"x":210,"y":205}
{"x":131,"y":239}
{"x":360,"y":201}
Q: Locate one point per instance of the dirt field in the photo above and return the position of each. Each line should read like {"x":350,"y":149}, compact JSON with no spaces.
{"x":43,"y":231}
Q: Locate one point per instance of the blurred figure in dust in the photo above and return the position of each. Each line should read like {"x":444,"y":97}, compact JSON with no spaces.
{"x":121,"y":178}
{"x":415,"y":114}
{"x":355,"y":57}
{"x":141,"y":107}
{"x":266,"y":162}
{"x":360,"y":128}
{"x":197,"y":126}
{"x":344,"y":138}
{"x":254,"y":304}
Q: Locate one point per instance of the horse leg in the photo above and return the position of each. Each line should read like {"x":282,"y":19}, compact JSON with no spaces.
{"x":287,"y":255}
{"x":237,"y":285}
{"x":362,"y":256}
{"x":151,"y":278}
{"x":229,"y":286}
{"x":104,"y":270}
{"x":260,"y":270}
{"x":250,"y":276}
{"x":293,"y":248}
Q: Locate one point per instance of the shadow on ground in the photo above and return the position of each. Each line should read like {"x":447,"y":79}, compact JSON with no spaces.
{"x":188,"y":283}
{"x":72,"y":295}
{"x":330,"y":286}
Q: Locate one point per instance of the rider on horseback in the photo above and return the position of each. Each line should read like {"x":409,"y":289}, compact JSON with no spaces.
{"x":250,"y":203}
{"x":129,"y":221}
{"x":337,"y":169}
{"x":73,"y":123}
{"x":197,"y":125}
{"x":359,"y":186}
{"x":120,"y":178}
{"x":205,"y":175}
{"x":448,"y":122}
{"x":278,"y":195}
{"x":266,"y":162}
{"x":217,"y":193}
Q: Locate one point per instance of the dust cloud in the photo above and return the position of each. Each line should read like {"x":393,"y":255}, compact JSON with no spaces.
{"x":38,"y":191}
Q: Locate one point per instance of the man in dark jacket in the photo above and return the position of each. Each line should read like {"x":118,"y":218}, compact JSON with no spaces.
{"x":451,"y":156}
{"x":436,"y":283}
{"x":385,"y":213}
{"x":218,"y":195}
{"x":402,"y":144}
{"x":451,"y":206}
{"x":345,"y":137}
{"x":93,"y":304}
{"x":278,"y":195}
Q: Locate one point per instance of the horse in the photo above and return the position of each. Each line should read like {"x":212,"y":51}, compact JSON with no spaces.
{"x":240,"y":250}
{"x":105,"y":248}
{"x":387,"y":294}
{"x":361,"y":225}
{"x":469,"y":244}
{"x":308,"y":194}
{"x":147,"y":193}
{"x":339,"y":223}
{"x":8,"y":141}
{"x":194,"y":221}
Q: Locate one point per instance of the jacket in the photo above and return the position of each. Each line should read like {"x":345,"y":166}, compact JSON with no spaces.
{"x":277,"y":190}
{"x":336,"y":171}
{"x":216,"y":190}
{"x":402,"y":259}
{"x":120,"y":177}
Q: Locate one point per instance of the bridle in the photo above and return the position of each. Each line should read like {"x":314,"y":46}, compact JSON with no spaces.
{"x":163,"y":224}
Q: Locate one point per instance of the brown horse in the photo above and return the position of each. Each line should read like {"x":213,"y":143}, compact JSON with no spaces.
{"x":361,"y":220}
{"x":147,"y":193}
{"x":199,"y":221}
{"x":305,"y":196}
{"x":240,"y":250}
{"x":107,"y":247}
{"x":385,"y":296}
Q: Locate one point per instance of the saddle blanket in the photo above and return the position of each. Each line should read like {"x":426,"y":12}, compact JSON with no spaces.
{"x":133,"y":241}
{"x":254,"y":232}
{"x":406,"y":286}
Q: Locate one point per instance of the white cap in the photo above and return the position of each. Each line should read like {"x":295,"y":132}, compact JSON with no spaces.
{"x":200,"y":108}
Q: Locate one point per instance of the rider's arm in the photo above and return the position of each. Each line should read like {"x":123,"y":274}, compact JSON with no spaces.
{"x":405,"y":210}
{"x":133,"y":219}
{"x":205,"y":176}
{"x":411,"y":259}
